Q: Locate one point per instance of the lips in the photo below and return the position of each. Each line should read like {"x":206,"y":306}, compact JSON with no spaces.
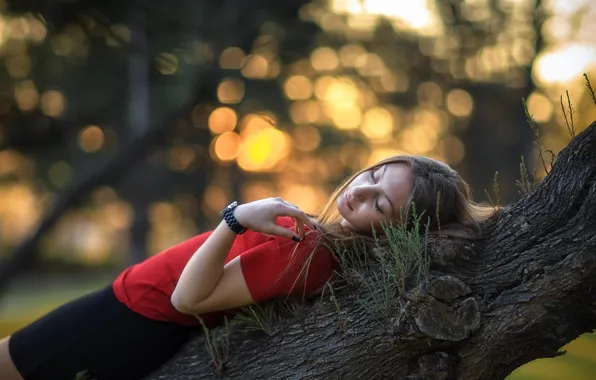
{"x":348,"y":201}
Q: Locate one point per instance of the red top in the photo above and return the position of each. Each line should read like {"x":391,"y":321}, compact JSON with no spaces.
{"x":270,"y":266}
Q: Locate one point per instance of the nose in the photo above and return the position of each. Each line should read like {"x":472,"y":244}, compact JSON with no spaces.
{"x":361,"y":193}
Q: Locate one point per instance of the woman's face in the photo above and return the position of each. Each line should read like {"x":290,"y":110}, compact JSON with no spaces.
{"x":375,"y":196}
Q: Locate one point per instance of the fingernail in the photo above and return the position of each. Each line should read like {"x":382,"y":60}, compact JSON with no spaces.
{"x":296,"y":239}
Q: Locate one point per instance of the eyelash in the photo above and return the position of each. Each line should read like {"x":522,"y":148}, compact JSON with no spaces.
{"x":372,"y":176}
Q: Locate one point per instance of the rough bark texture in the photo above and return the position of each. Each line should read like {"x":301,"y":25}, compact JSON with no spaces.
{"x":487,"y":308}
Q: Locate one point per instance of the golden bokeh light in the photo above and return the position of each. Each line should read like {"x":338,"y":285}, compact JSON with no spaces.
{"x":419,"y":139}
{"x":15,"y":164}
{"x":390,"y":82}
{"x":352,"y":55}
{"x":330,"y":22}
{"x":215,"y":198}
{"x":53,"y":103}
{"x":430,"y":118}
{"x":226,"y":146}
{"x":118,"y":215}
{"x":306,"y":197}
{"x":230,"y":91}
{"x":459,"y":103}
{"x":430,"y":93}
{"x":367,"y":98}
{"x":346,"y":118}
{"x":60,"y":174}
{"x":222,"y":119}
{"x":273,"y":70}
{"x":342,"y":101}
{"x":263,"y":150}
{"x":254,"y":123}
{"x":163,"y":212}
{"x":298,"y":87}
{"x":253,"y":191}
{"x":166,"y":63}
{"x":564,"y":63}
{"x":18,"y":66}
{"x":103,"y":195}
{"x":419,"y":15}
{"x":26,"y":95}
{"x":25,"y":203}
{"x":181,"y":157}
{"x":305,"y":112}
{"x":91,"y":139}
{"x":324,"y":59}
{"x":342,"y":94}
{"x":37,"y":30}
{"x":306,"y":138}
{"x":255,"y":67}
{"x":17,"y":27}
{"x":232,"y":58}
{"x":540,"y":107}
{"x":377,"y":124}
{"x":372,"y":66}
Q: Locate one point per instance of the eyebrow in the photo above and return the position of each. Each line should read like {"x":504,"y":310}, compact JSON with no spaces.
{"x":388,"y":200}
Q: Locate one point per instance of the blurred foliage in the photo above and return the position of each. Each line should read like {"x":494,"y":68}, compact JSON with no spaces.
{"x":244,"y":100}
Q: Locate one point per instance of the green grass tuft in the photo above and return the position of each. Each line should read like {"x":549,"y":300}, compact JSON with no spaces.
{"x":217,"y":344}
{"x":590,"y":89}
{"x":568,"y":120}
{"x":389,"y":269}
{"x":496,"y":201}
{"x":258,"y":317}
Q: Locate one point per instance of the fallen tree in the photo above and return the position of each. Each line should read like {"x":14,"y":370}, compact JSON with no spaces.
{"x":485,"y":308}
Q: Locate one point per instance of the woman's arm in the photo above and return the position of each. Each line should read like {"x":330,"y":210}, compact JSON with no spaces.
{"x":203,"y":271}
{"x":206,"y":284}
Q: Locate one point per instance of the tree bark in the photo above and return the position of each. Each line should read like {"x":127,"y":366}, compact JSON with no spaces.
{"x":487,"y":307}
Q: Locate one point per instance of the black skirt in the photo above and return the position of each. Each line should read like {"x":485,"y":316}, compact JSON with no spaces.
{"x":97,"y":335}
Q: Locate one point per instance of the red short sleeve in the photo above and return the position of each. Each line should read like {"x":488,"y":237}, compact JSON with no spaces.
{"x":281,"y":267}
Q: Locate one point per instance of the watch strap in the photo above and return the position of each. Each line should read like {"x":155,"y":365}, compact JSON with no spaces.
{"x":228,"y":215}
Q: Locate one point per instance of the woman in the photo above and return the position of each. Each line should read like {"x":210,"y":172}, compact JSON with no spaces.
{"x":261,"y":250}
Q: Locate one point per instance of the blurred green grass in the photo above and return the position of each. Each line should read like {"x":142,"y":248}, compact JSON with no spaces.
{"x":32,"y":297}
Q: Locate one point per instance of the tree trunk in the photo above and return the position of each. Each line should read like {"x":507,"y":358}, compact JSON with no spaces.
{"x":487,"y":307}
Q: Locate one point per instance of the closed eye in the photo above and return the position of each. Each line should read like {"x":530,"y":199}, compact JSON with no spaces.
{"x":372,"y":176}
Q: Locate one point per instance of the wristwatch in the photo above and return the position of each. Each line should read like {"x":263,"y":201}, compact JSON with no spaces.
{"x":228,"y":215}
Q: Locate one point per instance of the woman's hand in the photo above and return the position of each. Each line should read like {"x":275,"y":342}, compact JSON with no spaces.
{"x":260,"y":216}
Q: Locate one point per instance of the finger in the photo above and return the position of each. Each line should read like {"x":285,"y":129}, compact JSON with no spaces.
{"x":290,"y":204}
{"x":299,"y":215}
{"x":284,"y":232}
{"x":299,"y":228}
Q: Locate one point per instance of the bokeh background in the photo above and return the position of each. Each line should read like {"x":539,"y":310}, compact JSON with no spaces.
{"x":126,"y":126}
